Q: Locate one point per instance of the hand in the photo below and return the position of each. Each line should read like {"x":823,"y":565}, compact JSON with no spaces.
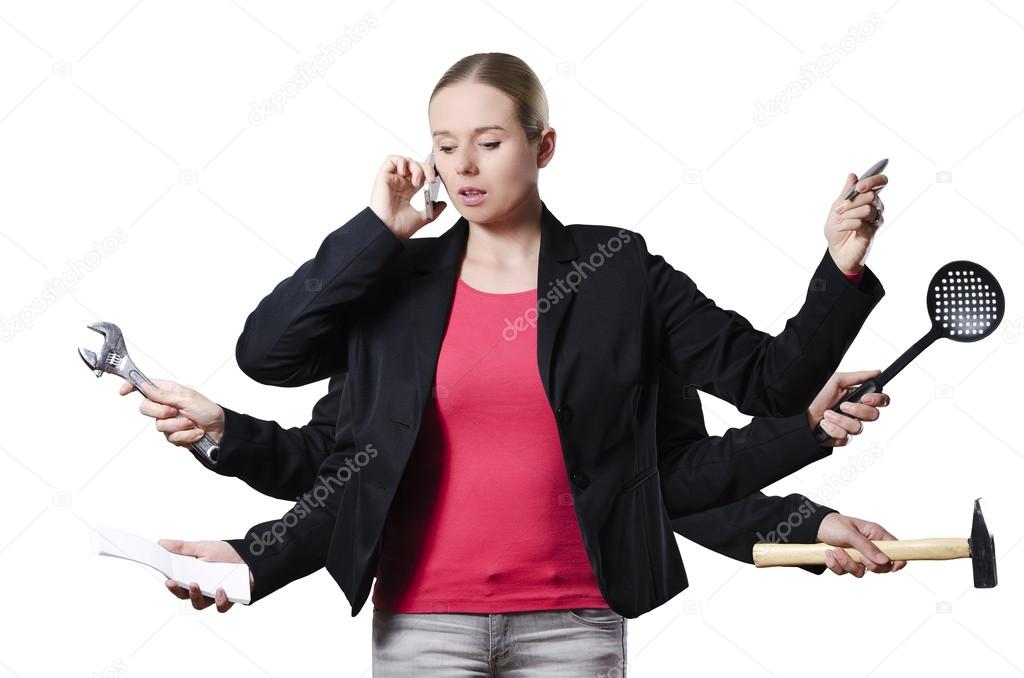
{"x":839,"y":530}
{"x":182,"y":414}
{"x":851,"y":224}
{"x":841,"y":426}
{"x":212,"y":551}
{"x":398,"y":179}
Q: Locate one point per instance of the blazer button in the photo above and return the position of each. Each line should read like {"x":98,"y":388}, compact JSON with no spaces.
{"x":581,"y":479}
{"x":564,"y":414}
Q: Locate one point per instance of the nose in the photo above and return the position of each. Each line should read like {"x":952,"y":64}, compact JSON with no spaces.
{"x":464,"y":165}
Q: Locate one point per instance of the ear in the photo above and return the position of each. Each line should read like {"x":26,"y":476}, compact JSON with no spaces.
{"x":545,"y":146}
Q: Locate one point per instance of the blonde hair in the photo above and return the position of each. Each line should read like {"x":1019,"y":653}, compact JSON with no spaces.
{"x":509,"y":74}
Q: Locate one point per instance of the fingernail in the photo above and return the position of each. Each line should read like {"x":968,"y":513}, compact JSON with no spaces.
{"x":845,"y":407}
{"x":881,"y":558}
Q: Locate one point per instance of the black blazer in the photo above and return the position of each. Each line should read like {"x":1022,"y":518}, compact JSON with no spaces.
{"x":610,"y":315}
{"x":283,"y":463}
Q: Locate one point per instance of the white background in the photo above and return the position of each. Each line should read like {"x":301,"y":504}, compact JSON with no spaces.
{"x":130,"y":121}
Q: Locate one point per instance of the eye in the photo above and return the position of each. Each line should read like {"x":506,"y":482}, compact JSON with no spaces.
{"x":491,"y":144}
{"x":446,"y":149}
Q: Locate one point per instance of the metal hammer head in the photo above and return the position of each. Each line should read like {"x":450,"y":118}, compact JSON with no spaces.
{"x":113,"y":351}
{"x":983,"y":551}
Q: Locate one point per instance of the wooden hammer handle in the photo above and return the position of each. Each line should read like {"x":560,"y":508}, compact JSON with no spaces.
{"x":769,"y":554}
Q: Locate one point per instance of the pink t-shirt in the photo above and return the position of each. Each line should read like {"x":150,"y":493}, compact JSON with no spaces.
{"x":483,"y":519}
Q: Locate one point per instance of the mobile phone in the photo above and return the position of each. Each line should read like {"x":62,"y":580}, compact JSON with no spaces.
{"x":875,"y":169}
{"x":430,"y":189}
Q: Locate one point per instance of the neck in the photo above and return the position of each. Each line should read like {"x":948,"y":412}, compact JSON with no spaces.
{"x":509,"y":241}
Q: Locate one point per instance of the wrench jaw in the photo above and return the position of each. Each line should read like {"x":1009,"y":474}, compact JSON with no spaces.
{"x":90,"y":360}
{"x":113,"y":357}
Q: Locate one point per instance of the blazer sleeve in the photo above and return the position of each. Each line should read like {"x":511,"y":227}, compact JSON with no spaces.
{"x":276,"y":461}
{"x":699,"y":472}
{"x":730,"y":529}
{"x":294,"y":546}
{"x":719,"y":352}
{"x":297,"y":333}
{"x":733,"y":529}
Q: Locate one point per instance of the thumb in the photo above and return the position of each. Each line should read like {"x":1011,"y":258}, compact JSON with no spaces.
{"x":163,"y":393}
{"x":185,"y":548}
{"x":847,"y":379}
{"x":866,"y":547}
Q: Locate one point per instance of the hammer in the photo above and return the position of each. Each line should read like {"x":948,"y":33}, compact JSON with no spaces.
{"x":114,"y":359}
{"x":980,"y":548}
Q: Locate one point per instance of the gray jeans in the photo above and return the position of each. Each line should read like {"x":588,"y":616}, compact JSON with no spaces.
{"x":580,"y":642}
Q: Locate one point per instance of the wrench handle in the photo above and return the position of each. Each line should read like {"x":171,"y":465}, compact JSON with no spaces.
{"x":205,"y":446}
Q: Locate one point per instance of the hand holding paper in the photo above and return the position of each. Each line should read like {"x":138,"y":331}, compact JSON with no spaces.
{"x":210,"y":565}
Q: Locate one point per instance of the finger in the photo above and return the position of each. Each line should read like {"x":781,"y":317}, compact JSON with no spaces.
{"x":830,"y":563}
{"x":837,"y":434}
{"x":221,"y":598}
{"x":898,"y":565}
{"x":859,"y":410}
{"x":848,"y":425}
{"x":867,"y":229}
{"x":172,"y":424}
{"x":157,"y":410}
{"x":847,"y":563}
{"x":173,"y":587}
{"x":876,"y":399}
{"x":126,"y":388}
{"x":871,"y":183}
{"x":199,"y":601}
{"x":851,"y":179}
{"x":419,"y":173}
{"x":185,"y":438}
{"x":865,"y":213}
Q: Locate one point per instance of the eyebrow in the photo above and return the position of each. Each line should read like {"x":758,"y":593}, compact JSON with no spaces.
{"x":476,"y":130}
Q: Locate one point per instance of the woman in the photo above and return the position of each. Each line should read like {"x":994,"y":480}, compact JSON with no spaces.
{"x":530,"y":491}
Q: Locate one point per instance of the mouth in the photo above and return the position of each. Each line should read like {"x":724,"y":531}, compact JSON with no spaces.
{"x":471,"y":195}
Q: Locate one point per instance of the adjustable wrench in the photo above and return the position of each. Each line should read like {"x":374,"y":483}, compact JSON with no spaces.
{"x":114,"y":358}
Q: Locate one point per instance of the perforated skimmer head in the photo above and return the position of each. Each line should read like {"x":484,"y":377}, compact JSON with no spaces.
{"x":965,"y":301}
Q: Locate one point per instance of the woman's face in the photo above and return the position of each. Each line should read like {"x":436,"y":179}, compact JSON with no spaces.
{"x":479,"y":142}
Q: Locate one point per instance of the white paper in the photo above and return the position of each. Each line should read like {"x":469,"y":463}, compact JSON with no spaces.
{"x":232,"y":577}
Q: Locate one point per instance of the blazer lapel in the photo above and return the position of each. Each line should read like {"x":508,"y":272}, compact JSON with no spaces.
{"x":434,"y":288}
